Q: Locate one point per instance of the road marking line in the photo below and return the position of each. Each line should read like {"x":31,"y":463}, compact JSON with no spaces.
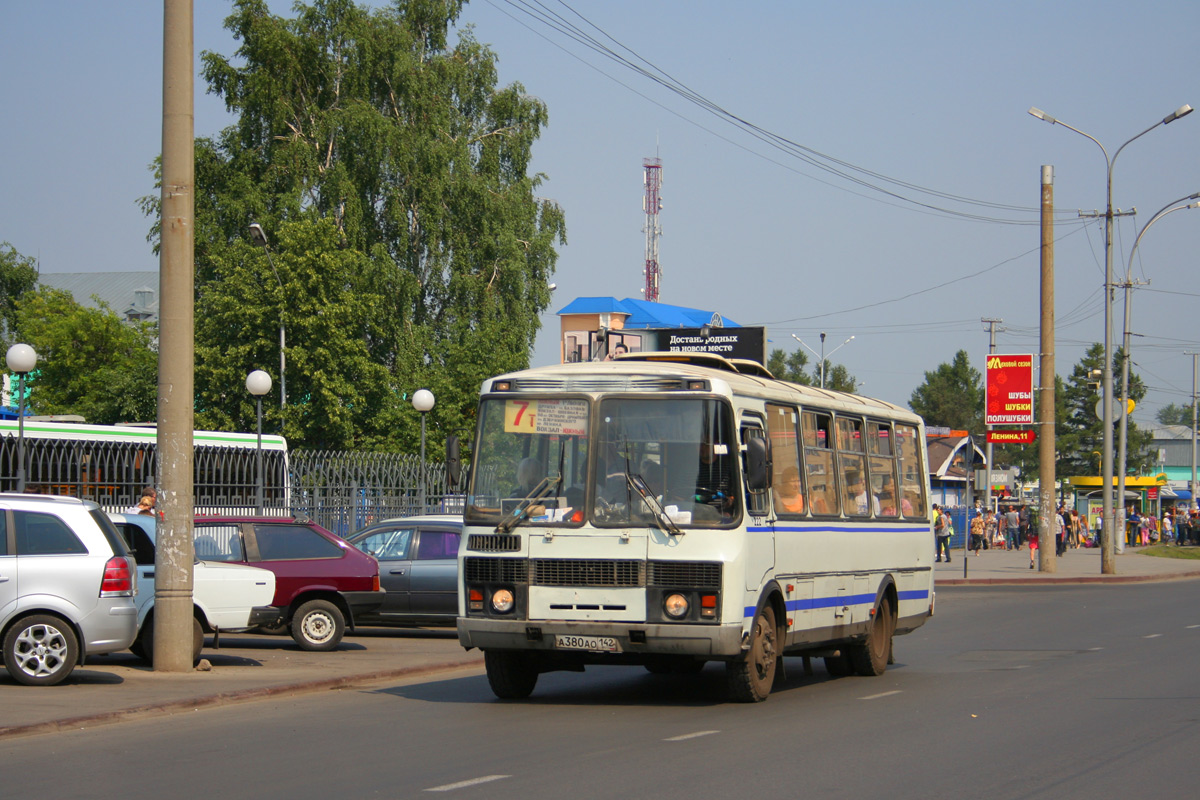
{"x":1152,"y":636}
{"x":1193,"y":626}
{"x":686,"y":736}
{"x":449,"y":787}
{"x":881,"y":694}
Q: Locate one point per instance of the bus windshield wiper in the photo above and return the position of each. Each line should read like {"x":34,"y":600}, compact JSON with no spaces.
{"x":521,"y":512}
{"x":661,"y":517}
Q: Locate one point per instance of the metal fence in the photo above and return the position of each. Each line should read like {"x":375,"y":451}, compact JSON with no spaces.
{"x":341,"y":490}
{"x":345,"y":490}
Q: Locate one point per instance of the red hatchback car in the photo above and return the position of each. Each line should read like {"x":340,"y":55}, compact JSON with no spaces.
{"x":321,"y":580}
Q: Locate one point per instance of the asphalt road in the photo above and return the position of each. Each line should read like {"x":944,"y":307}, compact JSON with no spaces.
{"x":1019,"y":692}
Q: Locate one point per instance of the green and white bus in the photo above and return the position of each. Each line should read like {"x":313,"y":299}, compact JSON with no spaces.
{"x":667,"y":510}
{"x":111,"y":464}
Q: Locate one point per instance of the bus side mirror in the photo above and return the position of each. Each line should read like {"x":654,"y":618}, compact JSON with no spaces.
{"x":453,"y":461}
{"x":758,"y":464}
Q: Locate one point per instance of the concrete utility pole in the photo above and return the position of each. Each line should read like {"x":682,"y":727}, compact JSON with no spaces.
{"x":1192,"y":484}
{"x":1047,"y":556}
{"x":987,"y":491}
{"x":174,"y":554}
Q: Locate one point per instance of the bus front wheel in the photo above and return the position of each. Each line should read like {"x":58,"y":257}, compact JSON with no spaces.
{"x":512,"y":674}
{"x":750,"y":677}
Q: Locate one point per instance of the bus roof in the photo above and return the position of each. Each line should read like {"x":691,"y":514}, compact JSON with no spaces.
{"x":72,"y":431}
{"x":742,"y":377}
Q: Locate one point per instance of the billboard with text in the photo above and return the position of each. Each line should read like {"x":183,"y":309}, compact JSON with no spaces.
{"x":1009,"y":382}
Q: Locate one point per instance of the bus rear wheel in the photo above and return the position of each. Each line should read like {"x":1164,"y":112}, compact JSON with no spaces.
{"x":871,"y":657}
{"x":750,"y":677}
{"x":512,"y":674}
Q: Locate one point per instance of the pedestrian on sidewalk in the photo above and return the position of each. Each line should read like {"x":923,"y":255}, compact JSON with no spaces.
{"x":1060,"y":531}
{"x":941,"y":532}
{"x":1023,"y":529}
{"x":1032,"y":536}
{"x":977,"y":533}
{"x":1012,"y":529}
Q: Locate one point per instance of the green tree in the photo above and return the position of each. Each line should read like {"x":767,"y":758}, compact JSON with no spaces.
{"x":1172,"y":414}
{"x":367,"y":145}
{"x":18,"y":275}
{"x":789,"y":366}
{"x":952,"y":396}
{"x":90,"y":362}
{"x":838,"y":378}
{"x":1080,"y":436}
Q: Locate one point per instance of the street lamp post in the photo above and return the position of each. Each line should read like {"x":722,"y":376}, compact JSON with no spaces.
{"x":1107,"y":556}
{"x":258,"y":383}
{"x":821,"y":355}
{"x":21,"y":360}
{"x":259,"y":237}
{"x":423,"y":402}
{"x":1123,"y":433}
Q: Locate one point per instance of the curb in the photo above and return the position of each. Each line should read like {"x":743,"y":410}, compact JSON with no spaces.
{"x":225,"y":698}
{"x":1066,"y":580}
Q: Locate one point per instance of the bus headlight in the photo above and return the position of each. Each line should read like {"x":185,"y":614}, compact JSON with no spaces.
{"x":676,"y":606}
{"x":502,"y":601}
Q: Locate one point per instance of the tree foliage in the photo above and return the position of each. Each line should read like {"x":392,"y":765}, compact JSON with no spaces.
{"x":391,"y":174}
{"x":1172,"y":414}
{"x":18,"y":275}
{"x":90,"y":361}
{"x":951,"y":396}
{"x":790,"y":367}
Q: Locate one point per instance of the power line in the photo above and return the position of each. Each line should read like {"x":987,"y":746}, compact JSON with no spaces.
{"x":824,"y":162}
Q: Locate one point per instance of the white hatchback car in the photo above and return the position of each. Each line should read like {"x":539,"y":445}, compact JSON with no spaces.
{"x":67,"y":586}
{"x":225,"y":597}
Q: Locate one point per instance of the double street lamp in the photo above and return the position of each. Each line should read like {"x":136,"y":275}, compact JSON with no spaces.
{"x":21,"y":359}
{"x":821,"y":356}
{"x":1107,"y":559}
{"x":1124,"y":425}
{"x":258,"y":383}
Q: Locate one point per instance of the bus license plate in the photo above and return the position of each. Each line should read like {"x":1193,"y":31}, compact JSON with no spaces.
{"x":605,"y":644}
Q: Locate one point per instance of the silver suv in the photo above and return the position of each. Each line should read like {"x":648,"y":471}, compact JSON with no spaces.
{"x":67,"y":586}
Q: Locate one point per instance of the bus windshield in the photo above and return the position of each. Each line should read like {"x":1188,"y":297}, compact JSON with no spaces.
{"x":681,"y":451}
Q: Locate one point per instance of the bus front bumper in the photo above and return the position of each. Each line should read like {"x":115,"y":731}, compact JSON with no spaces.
{"x":714,"y":641}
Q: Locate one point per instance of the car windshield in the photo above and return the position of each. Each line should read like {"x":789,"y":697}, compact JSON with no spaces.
{"x":662,"y":461}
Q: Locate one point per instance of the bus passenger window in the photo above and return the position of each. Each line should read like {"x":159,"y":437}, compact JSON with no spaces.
{"x":818,"y":463}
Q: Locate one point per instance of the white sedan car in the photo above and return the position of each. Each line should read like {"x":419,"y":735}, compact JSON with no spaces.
{"x":225,"y":597}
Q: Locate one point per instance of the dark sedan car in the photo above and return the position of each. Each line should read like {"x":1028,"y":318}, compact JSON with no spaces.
{"x":321,"y":582}
{"x":418,"y":566}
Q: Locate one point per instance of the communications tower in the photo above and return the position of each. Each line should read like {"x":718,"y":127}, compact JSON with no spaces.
{"x":652,"y":204}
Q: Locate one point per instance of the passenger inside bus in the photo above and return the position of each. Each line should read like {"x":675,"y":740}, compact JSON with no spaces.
{"x":856,"y":494}
{"x":887,"y":500}
{"x":788,"y":498}
{"x":529,"y":475}
{"x":714,"y":478}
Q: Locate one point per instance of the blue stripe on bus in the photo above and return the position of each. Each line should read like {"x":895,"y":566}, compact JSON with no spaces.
{"x":840,"y":600}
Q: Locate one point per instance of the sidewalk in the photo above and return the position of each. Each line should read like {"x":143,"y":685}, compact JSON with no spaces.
{"x":1082,"y":565}
{"x":246,"y":667}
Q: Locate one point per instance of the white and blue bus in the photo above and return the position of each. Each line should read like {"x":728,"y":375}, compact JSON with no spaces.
{"x":667,"y":509}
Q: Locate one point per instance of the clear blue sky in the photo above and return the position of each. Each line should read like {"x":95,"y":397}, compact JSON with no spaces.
{"x":930,"y":94}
